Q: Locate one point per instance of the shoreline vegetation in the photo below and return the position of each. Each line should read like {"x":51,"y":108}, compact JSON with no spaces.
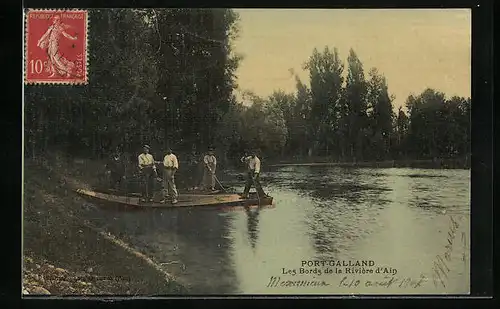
{"x":187,"y":101}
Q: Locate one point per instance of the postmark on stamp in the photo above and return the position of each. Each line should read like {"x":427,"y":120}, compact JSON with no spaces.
{"x":56,"y":47}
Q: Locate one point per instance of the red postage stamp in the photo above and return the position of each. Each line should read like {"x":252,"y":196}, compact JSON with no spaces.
{"x":56,"y":47}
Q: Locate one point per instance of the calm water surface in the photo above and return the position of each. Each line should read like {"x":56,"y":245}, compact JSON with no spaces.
{"x":401,"y":219}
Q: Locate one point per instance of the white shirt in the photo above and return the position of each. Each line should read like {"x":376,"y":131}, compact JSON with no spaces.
{"x":146,"y":159}
{"x":170,"y":160}
{"x":253,"y":163}
{"x":211,"y":161}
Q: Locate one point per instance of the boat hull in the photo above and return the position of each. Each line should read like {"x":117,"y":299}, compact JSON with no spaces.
{"x":184,"y":200}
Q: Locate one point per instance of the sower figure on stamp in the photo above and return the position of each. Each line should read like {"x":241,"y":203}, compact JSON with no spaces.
{"x":147,"y":169}
{"x":50,"y":41}
{"x":210,"y":163}
{"x":253,"y":175}
{"x":171,"y":165}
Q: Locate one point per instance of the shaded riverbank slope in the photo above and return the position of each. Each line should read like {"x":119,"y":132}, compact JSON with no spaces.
{"x":65,"y":253}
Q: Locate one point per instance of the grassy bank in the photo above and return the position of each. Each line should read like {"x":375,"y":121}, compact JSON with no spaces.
{"x":459,"y":163}
{"x":64,"y":253}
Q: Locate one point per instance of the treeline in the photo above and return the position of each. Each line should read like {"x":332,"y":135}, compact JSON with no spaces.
{"x":166,"y":77}
{"x":159,"y":76}
{"x":350,"y":117}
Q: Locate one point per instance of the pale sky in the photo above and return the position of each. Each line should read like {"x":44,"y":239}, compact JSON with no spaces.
{"x":413,"y":49}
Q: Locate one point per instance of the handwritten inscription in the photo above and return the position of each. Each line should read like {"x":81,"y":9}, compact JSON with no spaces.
{"x":440,"y":267}
{"x":386,"y":282}
{"x":275,"y":282}
{"x":465,"y":247}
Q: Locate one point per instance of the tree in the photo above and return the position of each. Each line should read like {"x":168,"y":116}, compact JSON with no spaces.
{"x":355,"y":100}
{"x":401,"y":132}
{"x":325,"y":73}
{"x":299,"y":126}
{"x":438,"y":127}
{"x":263,"y":126}
{"x":198,"y":73}
{"x":283,"y":104}
{"x":229,"y":132}
{"x":379,"y":109}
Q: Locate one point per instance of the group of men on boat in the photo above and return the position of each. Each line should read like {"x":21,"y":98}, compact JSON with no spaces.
{"x":170,"y":165}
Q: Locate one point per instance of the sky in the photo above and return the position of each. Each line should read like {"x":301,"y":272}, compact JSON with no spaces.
{"x":414,"y":49}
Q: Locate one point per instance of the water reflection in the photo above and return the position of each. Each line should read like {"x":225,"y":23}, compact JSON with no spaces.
{"x":348,"y":202}
{"x":252,"y":225}
{"x":413,"y":233}
{"x":390,"y":215}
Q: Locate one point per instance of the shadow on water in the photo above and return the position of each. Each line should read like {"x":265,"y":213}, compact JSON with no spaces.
{"x":329,"y":183}
{"x":448,"y":196}
{"x":192,"y":244}
{"x":425,"y":176}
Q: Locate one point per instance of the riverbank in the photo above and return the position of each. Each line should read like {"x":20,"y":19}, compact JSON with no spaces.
{"x":460,"y":163}
{"x":66,"y":254}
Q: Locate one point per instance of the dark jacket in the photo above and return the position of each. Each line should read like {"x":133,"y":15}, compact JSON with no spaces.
{"x":116,"y":166}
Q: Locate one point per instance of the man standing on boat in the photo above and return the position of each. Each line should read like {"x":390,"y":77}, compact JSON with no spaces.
{"x":193,"y":170}
{"x":147,"y":169}
{"x":171,"y":166}
{"x":209,"y":172}
{"x":253,"y":175}
{"x":116,"y":169}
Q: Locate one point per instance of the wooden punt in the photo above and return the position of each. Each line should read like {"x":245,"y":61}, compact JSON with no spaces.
{"x":221,"y":200}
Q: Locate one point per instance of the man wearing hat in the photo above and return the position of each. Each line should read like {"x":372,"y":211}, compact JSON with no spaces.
{"x":147,"y":169}
{"x":253,"y":175}
{"x":116,"y":170}
{"x":209,"y":172}
{"x":171,"y":166}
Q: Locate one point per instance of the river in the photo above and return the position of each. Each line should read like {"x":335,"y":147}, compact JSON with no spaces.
{"x":407,"y":228}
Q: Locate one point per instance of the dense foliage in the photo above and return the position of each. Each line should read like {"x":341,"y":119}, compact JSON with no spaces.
{"x":166,"y":77}
{"x":163,"y":77}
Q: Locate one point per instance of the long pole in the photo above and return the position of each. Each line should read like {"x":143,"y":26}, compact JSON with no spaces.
{"x":217,"y":179}
{"x":219,"y":183}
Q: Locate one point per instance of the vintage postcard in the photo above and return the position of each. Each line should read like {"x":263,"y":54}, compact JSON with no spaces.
{"x":246,"y":151}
